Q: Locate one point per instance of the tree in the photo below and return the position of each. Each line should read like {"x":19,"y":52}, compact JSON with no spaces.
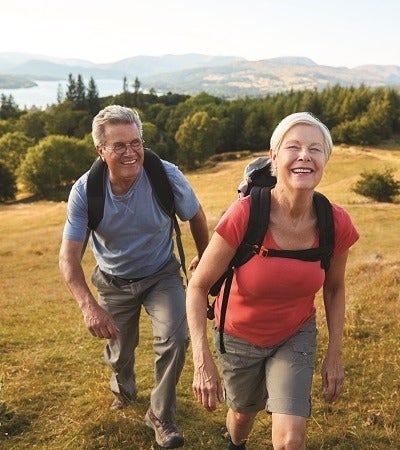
{"x":125,"y":86}
{"x":150,"y":134}
{"x":60,"y":94}
{"x":65,"y":120}
{"x":6,"y":126}
{"x":136,"y":85}
{"x":71,"y":89}
{"x":8,"y":108}
{"x":55,"y":162}
{"x":197,"y":138}
{"x":8,"y":184}
{"x":80,"y":99}
{"x":13,"y":148}
{"x":32,"y":124}
{"x":92,"y":98}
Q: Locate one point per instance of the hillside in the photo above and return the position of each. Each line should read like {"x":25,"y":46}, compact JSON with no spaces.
{"x":223,"y":76}
{"x":54,"y":385}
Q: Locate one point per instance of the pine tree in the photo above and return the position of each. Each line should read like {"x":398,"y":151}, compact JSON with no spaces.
{"x":71,"y":89}
{"x":92,"y":98}
{"x":80,"y":100}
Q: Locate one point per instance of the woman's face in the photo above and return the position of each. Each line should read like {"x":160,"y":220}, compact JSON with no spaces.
{"x":301,"y":160}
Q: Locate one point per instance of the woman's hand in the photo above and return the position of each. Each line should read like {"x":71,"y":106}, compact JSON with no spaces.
{"x":207,"y":387}
{"x":332,"y":374}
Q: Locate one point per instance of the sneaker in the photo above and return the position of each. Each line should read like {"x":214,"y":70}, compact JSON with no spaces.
{"x":120,"y":402}
{"x":166,"y":433}
{"x":232,"y":446}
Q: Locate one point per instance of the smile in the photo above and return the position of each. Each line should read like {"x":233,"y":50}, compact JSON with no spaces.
{"x":301,"y":170}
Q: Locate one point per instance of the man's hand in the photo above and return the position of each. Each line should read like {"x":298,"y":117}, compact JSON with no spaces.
{"x":99,"y":322}
{"x":194,"y":263}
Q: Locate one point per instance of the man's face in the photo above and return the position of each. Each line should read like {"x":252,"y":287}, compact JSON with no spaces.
{"x":123,"y":152}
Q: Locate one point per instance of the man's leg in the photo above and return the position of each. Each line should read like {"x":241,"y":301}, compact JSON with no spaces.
{"x":165,"y":304}
{"x":119,"y":353}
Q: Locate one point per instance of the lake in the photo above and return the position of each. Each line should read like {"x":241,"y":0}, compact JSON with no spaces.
{"x":45,"y":93}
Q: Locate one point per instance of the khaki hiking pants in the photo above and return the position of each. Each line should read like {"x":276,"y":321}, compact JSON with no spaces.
{"x":163,"y":297}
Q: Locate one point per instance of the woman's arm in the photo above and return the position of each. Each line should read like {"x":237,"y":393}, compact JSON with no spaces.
{"x":199,"y":230}
{"x":207,"y":385}
{"x":334,"y":301}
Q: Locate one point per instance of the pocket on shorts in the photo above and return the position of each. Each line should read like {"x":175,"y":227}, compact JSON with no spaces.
{"x":304,"y":353}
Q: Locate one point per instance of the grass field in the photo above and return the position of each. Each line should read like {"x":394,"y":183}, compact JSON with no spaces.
{"x":53,"y":382}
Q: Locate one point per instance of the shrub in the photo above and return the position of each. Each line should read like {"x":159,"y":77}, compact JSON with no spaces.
{"x":380,"y":186}
{"x":56,"y":161}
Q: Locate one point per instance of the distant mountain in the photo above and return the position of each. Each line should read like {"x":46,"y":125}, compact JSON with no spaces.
{"x":43,"y":68}
{"x":224,"y":76}
{"x":15,"y":82}
{"x":258,"y":78}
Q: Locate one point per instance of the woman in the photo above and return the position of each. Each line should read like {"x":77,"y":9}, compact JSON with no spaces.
{"x":270,"y":326}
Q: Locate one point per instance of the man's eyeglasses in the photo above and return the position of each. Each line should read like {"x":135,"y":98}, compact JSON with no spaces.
{"x":121,"y":147}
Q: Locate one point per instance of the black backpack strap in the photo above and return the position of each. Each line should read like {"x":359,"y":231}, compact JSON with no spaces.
{"x":324,"y":251}
{"x":158,"y":178}
{"x":260,"y":204}
{"x":326,"y":227}
{"x":163,"y":192}
{"x":224,"y":306}
{"x":95,"y":197}
{"x":95,"y":193}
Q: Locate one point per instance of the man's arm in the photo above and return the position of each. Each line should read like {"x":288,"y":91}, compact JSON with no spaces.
{"x":199,"y":230}
{"x":97,"y":320}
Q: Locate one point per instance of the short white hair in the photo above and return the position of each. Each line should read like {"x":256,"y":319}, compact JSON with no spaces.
{"x":114,"y":114}
{"x":294,"y":119}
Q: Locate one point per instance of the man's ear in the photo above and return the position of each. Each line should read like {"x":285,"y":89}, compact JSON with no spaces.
{"x":99,"y":150}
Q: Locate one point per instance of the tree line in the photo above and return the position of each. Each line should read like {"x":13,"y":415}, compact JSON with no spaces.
{"x":44,"y":149}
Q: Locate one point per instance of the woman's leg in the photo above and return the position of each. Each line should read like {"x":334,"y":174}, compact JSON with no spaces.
{"x":239,"y":425}
{"x":288,"y":432}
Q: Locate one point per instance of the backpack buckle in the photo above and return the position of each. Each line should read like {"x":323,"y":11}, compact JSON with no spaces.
{"x":262,"y":251}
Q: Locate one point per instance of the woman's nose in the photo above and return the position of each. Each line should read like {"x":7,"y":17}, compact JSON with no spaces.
{"x":304,"y":154}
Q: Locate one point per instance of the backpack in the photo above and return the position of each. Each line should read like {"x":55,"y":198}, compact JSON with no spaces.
{"x":257,"y":183}
{"x":161,"y":187}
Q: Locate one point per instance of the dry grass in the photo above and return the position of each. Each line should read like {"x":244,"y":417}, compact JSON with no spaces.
{"x":54,"y":385}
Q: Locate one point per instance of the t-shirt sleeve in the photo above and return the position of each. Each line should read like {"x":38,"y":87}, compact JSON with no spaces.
{"x":186,"y":202}
{"x":233,"y":224}
{"x":345,"y":232}
{"x":75,"y":227}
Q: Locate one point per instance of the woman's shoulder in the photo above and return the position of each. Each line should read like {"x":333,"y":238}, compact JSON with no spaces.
{"x":340,"y":215}
{"x":346,"y":233}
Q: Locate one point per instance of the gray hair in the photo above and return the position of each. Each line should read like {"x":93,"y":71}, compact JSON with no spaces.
{"x":114,"y":114}
{"x":305,"y":118}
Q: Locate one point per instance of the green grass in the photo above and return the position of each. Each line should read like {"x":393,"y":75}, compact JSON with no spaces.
{"x":53,"y":382}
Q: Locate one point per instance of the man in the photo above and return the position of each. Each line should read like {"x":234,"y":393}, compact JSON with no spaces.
{"x":136,"y":266}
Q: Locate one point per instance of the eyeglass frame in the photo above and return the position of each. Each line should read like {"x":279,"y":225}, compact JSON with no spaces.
{"x":134,"y":145}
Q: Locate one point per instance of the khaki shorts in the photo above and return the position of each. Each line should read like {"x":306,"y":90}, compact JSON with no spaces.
{"x":277,"y":379}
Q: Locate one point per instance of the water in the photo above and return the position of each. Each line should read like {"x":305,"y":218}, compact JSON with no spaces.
{"x":45,"y":93}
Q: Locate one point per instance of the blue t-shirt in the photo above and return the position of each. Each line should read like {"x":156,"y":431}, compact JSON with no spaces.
{"x":134,"y":238}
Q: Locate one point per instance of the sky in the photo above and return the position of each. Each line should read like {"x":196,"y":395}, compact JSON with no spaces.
{"x":334,"y":33}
